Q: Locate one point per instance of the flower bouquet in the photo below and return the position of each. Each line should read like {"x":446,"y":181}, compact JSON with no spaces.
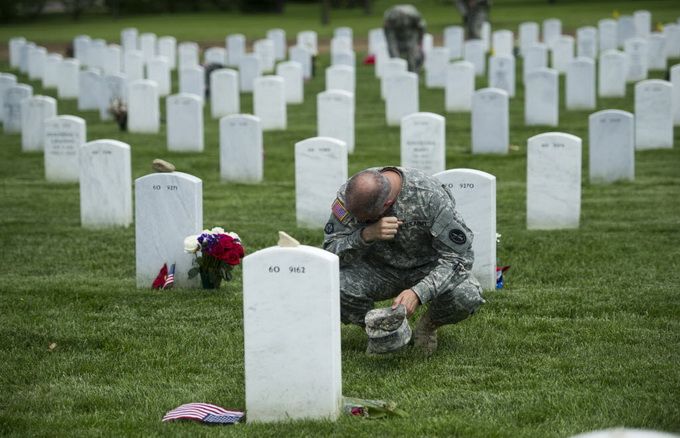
{"x":216,"y":253}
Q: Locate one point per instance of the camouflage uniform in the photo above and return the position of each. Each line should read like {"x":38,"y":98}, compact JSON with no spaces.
{"x":404,"y":30}
{"x":430,"y":254}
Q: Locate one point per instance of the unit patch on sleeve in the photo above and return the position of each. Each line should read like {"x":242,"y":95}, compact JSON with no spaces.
{"x":339,"y":210}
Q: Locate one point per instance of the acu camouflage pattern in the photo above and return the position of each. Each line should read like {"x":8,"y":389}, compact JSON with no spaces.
{"x":431,"y":254}
{"x":404,"y":30}
{"x":387,"y":329}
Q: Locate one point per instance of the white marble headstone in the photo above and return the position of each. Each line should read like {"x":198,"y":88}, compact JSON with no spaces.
{"x":611,"y":146}
{"x":215,"y":55}
{"x":236,"y":48}
{"x":7,"y":80}
{"x":580,"y":84}
{"x":64,"y":136}
{"x":15,"y":45}
{"x":167,"y":47}
{"x":67,"y":85}
{"x":626,"y":29}
{"x":454,"y":37}
{"x":335,"y":116}
{"x":541,"y":97}
{"x":401,"y":97}
{"x":158,"y":70}
{"x":562,"y":53}
{"x":291,"y":294}
{"x":340,"y":44}
{"x":89,"y":90}
{"x":23,"y":56}
{"x":653,"y":114}
{"x":133,"y":64}
{"x":643,"y":23}
{"x":608,"y":34}
{"x":473,"y":52}
{"x":553,"y":181}
{"x":112,"y":87}
{"x":535,"y":56}
{"x":340,"y":77}
{"x":128,"y":39}
{"x":278,"y":36}
{"x":147,"y":44}
{"x":241,"y":149}
{"x":657,"y":55}
{"x":460,"y":86}
{"x":475,"y":195}
{"x":143,"y":107}
{"x":112,"y":62}
{"x":423,"y":142}
{"x":105,"y":184}
{"x":291,"y":72}
{"x":224,"y":93}
{"x":672,"y":33}
{"x":250,"y":68}
{"x":51,"y":73}
{"x":320,"y":169}
{"x":304,"y":58}
{"x":345,"y":57}
{"x":81,"y":46}
{"x":187,"y":54}
{"x":344,"y":31}
{"x":185,"y":122}
{"x":11,"y":111}
{"x":528,"y":35}
{"x":435,"y":67}
{"x":308,"y":40}
{"x":636,"y":49}
{"x":168,"y":208}
{"x":391,"y":67}
{"x":612,"y":74}
{"x":36,"y":63}
{"x":192,"y":80}
{"x":265,"y":50}
{"x":586,"y":42}
{"x":490,"y":122}
{"x":376,"y":38}
{"x":675,"y":80}
{"x":503,"y":42}
{"x":269,"y":102}
{"x":552,"y":31}
{"x":502,"y":73}
{"x":486,"y":36}
{"x":34,"y":111}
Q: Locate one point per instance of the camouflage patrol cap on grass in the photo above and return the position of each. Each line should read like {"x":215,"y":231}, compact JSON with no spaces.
{"x":387,"y":329}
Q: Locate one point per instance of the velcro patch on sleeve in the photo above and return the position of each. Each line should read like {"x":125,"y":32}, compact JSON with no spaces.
{"x":339,"y":210}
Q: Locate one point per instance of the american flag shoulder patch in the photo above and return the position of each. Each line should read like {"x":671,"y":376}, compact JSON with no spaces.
{"x":204,"y":413}
{"x":339,"y":210}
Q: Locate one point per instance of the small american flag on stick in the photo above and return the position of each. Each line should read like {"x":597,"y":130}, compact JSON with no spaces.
{"x":170,"y":278}
{"x":205,"y":413}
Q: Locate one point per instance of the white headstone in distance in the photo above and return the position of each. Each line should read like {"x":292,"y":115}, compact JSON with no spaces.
{"x":541,"y":97}
{"x":51,"y":73}
{"x":502,"y":73}
{"x":167,"y":47}
{"x":347,"y":57}
{"x":160,"y":230}
{"x":675,"y":80}
{"x":626,"y":29}
{"x":105,"y":184}
{"x":475,"y":195}
{"x":335,"y":116}
{"x":435,"y":67}
{"x":23,"y":56}
{"x":64,"y":136}
{"x":636,"y":49}
{"x":34,"y":111}
{"x":503,"y":42}
{"x":672,"y":33}
{"x":11,"y":111}
{"x":143,"y":107}
{"x":290,"y":294}
{"x":241,"y":150}
{"x":552,"y":31}
{"x":580,"y":84}
{"x":67,"y":85}
{"x":128,"y":39}
{"x":340,"y":44}
{"x":7,"y":80}
{"x":250,"y":68}
{"x":528,"y":36}
{"x":473,"y":52}
{"x":36,"y":63}
{"x":343,"y":31}
{"x":192,"y":80}
{"x":96,"y":54}
{"x":643,"y":23}
{"x":304,"y":58}
{"x":224,"y":94}
{"x":112,"y":61}
{"x":381,"y":56}
{"x":278,"y":36}
{"x":657,"y":55}
{"x":423,"y":144}
{"x":611,"y":142}
{"x":133,"y":64}
{"x":269,"y":102}
{"x":158,"y":70}
{"x":612,"y":74}
{"x":215,"y":55}
{"x":486,"y":36}
{"x":81,"y":46}
{"x":376,"y":38}
{"x":586,"y":42}
{"x":391,"y":67}
{"x":88,"y":90}
{"x":553,"y":181}
{"x":454,"y":37}
{"x":320,"y":169}
{"x":185,"y":122}
{"x":490,"y":122}
{"x":187,"y":55}
{"x":264,"y":49}
{"x":608,"y":34}
{"x":236,"y":48}
{"x":308,"y":40}
{"x":147,"y":44}
{"x":536,"y":56}
{"x":460,"y":86}
{"x":401,"y":97}
{"x":15,"y":45}
{"x":428,"y":43}
{"x":112,"y":88}
{"x":653,"y":114}
{"x":291,"y":72}
{"x":340,"y":77}
{"x":562,"y":53}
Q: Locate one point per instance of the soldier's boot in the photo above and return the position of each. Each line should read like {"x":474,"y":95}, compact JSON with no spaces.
{"x":425,"y":334}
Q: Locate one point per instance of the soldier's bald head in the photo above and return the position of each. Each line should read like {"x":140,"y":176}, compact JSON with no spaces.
{"x":366,"y":194}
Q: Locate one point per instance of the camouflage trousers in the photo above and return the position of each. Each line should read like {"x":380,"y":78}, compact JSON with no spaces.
{"x":362,"y":284}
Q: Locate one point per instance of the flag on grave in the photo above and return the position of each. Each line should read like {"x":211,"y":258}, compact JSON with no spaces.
{"x":204,"y":413}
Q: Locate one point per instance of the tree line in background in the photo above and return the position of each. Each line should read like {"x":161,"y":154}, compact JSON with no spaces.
{"x":14,"y":10}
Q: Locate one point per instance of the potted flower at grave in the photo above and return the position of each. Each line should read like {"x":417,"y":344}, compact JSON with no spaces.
{"x":216,"y":252}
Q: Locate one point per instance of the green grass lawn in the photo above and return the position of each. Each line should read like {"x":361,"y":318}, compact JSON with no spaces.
{"x":585,"y":336}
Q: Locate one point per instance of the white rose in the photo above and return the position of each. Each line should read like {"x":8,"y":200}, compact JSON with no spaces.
{"x":217,"y":230}
{"x":234,"y":236}
{"x":191,"y":244}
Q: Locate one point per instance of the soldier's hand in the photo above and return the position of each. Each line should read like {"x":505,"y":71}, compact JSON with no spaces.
{"x":409,"y":299}
{"x":385,"y":229}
